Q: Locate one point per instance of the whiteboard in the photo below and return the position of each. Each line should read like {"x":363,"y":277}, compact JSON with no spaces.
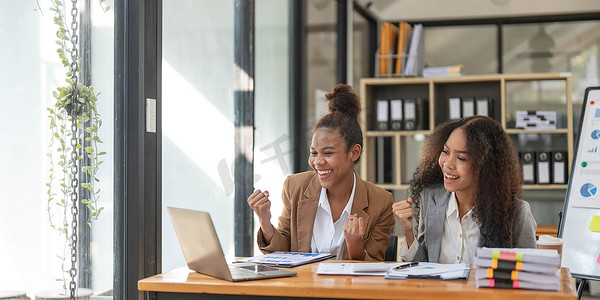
{"x":581,"y":213}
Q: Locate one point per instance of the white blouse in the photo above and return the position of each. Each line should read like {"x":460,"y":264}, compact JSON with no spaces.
{"x":328,"y":237}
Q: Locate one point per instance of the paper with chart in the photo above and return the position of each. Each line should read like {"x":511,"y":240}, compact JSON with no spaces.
{"x":370,"y":269}
{"x":287,"y":259}
{"x":432,"y":270}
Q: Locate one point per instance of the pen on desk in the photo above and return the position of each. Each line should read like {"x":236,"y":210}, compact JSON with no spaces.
{"x":408,"y":265}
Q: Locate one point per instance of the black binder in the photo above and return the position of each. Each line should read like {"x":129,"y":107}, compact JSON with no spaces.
{"x":410,"y":114}
{"x":468,"y":107}
{"x":543,"y":167}
{"x":384,"y":160}
{"x":416,"y":114}
{"x":396,"y":114}
{"x":454,"y":108}
{"x":383,"y":114}
{"x":529,"y":167}
{"x":559,"y":167}
{"x":483,"y":107}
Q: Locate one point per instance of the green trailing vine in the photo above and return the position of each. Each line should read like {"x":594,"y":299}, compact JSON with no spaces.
{"x":88,"y":158}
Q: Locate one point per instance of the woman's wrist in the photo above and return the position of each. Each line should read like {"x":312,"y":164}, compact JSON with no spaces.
{"x":410,"y":237}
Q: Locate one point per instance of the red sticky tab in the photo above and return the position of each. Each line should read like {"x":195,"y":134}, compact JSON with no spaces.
{"x":506,"y":255}
{"x":492,"y":282}
{"x":516,"y":284}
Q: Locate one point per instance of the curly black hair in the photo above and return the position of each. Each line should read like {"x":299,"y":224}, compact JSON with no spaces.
{"x":497,"y":173}
{"x":344,"y":108}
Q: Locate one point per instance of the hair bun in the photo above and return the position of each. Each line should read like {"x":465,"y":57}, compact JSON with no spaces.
{"x":343,"y":99}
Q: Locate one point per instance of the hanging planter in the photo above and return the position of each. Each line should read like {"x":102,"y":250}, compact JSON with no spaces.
{"x":73,"y":153}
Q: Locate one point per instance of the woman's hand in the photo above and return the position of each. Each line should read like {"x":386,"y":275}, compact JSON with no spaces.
{"x":260,"y":203}
{"x":354,"y":229}
{"x":404,"y":213}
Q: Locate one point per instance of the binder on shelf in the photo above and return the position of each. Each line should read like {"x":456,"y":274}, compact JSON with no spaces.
{"x":559,"y":167}
{"x":454,"y":108}
{"x":543,"y":167}
{"x":403,"y":36}
{"x":468,"y":107}
{"x":422,"y":114}
{"x":414,"y":51}
{"x":528,"y":168}
{"x":396,"y":114}
{"x":382,"y":114}
{"x":384,"y":160}
{"x":386,"y":46}
{"x":410,"y":114}
{"x":483,"y":106}
{"x":416,"y":114}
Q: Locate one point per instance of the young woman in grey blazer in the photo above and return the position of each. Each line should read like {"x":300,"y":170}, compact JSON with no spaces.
{"x":465,"y":193}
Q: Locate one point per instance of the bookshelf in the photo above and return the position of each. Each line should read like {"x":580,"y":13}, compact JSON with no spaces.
{"x":509,"y":93}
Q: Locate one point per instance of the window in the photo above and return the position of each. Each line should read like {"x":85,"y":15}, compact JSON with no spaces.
{"x":32,"y":71}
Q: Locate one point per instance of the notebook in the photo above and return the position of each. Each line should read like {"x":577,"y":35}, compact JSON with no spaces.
{"x":203,"y":253}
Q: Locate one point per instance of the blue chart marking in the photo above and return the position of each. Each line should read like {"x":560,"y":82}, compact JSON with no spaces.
{"x":596,"y":134}
{"x":597,"y":115}
{"x":593,"y":149}
{"x":588,"y":190}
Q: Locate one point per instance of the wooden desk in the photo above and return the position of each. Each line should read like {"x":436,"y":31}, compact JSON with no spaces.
{"x":182,"y":283}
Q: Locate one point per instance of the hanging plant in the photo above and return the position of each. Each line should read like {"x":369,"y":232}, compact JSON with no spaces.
{"x":73,"y":153}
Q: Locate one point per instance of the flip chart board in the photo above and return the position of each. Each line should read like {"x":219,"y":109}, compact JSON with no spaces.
{"x":581,"y":213}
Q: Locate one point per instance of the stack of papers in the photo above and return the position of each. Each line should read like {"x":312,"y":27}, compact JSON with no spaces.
{"x":369,"y":269}
{"x":518,"y":268}
{"x":447,"y":71}
{"x":397,"y":270}
{"x":426,"y":270}
{"x":287,"y":259}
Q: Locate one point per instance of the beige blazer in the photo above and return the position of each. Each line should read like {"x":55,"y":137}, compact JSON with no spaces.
{"x":300,"y":197}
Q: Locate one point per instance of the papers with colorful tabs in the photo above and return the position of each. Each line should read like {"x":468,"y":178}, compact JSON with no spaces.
{"x":517,"y":268}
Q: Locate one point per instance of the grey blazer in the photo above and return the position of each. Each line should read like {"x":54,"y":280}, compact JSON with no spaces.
{"x":431,"y":216}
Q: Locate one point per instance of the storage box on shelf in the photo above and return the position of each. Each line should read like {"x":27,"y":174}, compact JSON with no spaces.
{"x":391,"y":156}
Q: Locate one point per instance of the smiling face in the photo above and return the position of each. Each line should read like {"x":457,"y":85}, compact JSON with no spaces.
{"x":456,"y":166}
{"x":331,"y":160}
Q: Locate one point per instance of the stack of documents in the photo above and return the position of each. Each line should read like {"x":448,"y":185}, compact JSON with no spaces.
{"x":518,"y":268}
{"x":427,"y":270}
{"x":287,"y":259}
{"x":397,"y":270}
{"x":447,"y":71}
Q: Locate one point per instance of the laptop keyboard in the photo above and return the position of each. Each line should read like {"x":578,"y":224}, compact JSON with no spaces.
{"x":243,"y":272}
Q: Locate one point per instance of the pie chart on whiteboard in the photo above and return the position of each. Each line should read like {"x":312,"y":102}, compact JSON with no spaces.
{"x":588,"y":190}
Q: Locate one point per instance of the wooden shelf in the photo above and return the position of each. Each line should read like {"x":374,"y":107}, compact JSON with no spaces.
{"x":396,"y":133}
{"x":549,"y":131}
{"x":437,"y":91}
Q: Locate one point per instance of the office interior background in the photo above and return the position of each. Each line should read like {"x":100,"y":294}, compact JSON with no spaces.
{"x":188,"y":56}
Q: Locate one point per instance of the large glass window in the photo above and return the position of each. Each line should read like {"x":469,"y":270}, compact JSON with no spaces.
{"x":31,"y":72}
{"x":321,"y":60}
{"x":474,"y":47}
{"x":553,"y":47}
{"x":272,"y":143}
{"x":197,"y":118}
{"x":198,"y":112}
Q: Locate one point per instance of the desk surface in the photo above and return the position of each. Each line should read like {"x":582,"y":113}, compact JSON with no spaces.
{"x":309,"y":284}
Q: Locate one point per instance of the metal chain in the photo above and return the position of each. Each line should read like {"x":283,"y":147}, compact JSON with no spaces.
{"x":74,"y":169}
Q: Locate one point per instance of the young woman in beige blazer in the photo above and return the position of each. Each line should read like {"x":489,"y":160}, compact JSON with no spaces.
{"x":330,"y":205}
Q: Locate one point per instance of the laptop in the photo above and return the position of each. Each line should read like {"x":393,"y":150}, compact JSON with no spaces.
{"x":203,"y":253}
